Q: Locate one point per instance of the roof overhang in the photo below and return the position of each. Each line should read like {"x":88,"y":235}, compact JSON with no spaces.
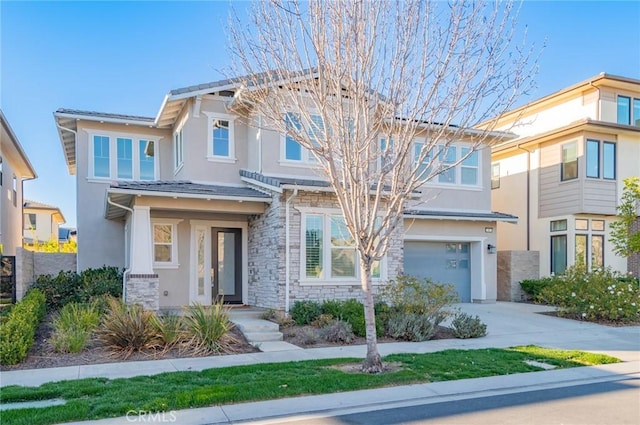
{"x":574,"y":127}
{"x":460,"y":216}
{"x":15,"y":150}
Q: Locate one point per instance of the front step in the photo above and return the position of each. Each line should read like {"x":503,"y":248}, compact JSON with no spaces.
{"x":254,"y":337}
{"x":259,"y":332}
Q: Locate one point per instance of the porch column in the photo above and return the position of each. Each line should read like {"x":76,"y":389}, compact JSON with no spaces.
{"x":142,"y":283}
{"x":141,"y":258}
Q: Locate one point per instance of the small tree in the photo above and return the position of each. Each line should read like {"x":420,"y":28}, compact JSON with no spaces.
{"x":337,"y":77}
{"x":625,"y":232}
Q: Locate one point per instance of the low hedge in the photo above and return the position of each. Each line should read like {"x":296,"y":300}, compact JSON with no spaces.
{"x":18,"y":331}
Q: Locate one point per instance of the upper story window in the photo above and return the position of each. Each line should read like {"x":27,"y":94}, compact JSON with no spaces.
{"x":221,"y":141}
{"x":569,"y":166}
{"x":423,"y":168}
{"x":14,"y":190}
{"x":495,"y":175}
{"x":29,"y":221}
{"x":465,"y":172}
{"x":178,"y":149}
{"x":601,"y":159}
{"x":124,"y":158}
{"x":293,"y":151}
{"x":628,"y":111}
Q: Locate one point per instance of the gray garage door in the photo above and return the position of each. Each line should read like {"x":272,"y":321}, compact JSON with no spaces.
{"x":445,"y":262}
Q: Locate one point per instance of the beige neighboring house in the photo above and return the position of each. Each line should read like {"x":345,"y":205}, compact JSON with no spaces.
{"x":15,"y":168}
{"x":563,"y":176}
{"x":41,"y":222}
{"x":199,"y":202}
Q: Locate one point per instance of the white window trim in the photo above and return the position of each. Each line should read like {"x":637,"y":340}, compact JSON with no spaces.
{"x":326,"y":253}
{"x":173,"y":222}
{"x":178,"y":149}
{"x":113,"y":155}
{"x":434,"y":182}
{"x":211,"y":117}
{"x":307,"y":161}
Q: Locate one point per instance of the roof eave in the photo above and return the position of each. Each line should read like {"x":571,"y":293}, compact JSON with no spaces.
{"x":186,"y":195}
{"x":141,"y":123}
{"x":30,"y":171}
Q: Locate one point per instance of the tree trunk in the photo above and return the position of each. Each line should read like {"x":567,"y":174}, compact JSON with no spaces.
{"x":373,"y":362}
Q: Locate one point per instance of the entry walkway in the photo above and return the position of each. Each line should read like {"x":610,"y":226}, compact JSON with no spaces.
{"x":508,"y":324}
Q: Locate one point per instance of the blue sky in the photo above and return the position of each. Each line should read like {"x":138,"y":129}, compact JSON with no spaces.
{"x":123,"y":57}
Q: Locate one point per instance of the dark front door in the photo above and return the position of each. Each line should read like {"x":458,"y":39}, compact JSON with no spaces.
{"x":226,"y":264}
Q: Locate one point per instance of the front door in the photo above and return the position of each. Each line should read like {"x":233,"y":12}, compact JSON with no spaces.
{"x":226,"y":265}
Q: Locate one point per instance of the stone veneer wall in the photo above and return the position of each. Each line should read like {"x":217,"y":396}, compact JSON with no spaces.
{"x":267,"y":255}
{"x":30,"y":265}
{"x":633,"y":262}
{"x":513,"y":267}
{"x":143,"y":289}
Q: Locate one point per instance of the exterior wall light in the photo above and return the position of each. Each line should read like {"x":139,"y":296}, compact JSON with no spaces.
{"x":491,"y":249}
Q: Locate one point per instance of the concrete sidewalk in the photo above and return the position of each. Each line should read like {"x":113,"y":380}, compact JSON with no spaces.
{"x":508,"y":324}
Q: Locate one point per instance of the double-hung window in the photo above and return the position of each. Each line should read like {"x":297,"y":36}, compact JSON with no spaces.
{"x":221,"y":143}
{"x":601,"y":159}
{"x":122,"y":158}
{"x":423,"y":166}
{"x":558,"y":246}
{"x":628,"y":111}
{"x":165,"y":243}
{"x":293,"y":151}
{"x":569,"y":166}
{"x":329,"y":252}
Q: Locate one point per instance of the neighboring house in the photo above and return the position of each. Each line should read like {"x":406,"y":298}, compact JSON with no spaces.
{"x":41,"y":222}
{"x":199,"y":202}
{"x":563,"y":176}
{"x":15,"y":168}
{"x":66,"y":235}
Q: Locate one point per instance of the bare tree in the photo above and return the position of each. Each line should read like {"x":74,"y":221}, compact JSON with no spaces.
{"x":340,"y":76}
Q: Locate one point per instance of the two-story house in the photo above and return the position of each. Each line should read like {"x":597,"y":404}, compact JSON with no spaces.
{"x":202,"y":200}
{"x":563,"y":175}
{"x":41,"y":222}
{"x":15,"y":168}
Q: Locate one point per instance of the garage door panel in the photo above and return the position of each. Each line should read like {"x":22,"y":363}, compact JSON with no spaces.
{"x":444,"y":262}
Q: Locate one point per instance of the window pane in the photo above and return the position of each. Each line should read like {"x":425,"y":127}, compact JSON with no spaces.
{"x":313,"y":245}
{"x":636,"y":112}
{"x":581,"y":250}
{"x":624,"y":110}
{"x":221,"y":138}
{"x":147,"y":163}
{"x":293,"y":150}
{"x":597,"y":225}
{"x":343,"y":262}
{"x":469,"y":175}
{"x":558,"y":225}
{"x":569,"y":161}
{"x":125,"y":158}
{"x":593,"y":158}
{"x":162,"y":233}
{"x":471,"y":160}
{"x":316,"y":134}
{"x":162,"y":253}
{"x":558,"y":254}
{"x":609,"y":160}
{"x":446,"y":158}
{"x":582,"y":224}
{"x":375,"y":270}
{"x":339,"y":234}
{"x":100,"y":156}
{"x":495,"y":176}
{"x":597,"y":251}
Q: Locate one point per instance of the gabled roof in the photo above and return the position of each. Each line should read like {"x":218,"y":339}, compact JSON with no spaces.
{"x":29,"y":205}
{"x":15,"y":150}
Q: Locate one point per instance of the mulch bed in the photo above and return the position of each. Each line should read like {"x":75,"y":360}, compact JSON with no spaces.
{"x":579,"y":318}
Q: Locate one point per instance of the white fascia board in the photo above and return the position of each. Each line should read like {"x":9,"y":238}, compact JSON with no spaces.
{"x":186,"y":195}
{"x":308,"y":188}
{"x":458,"y":218}
{"x":162,"y":106}
{"x":261,"y":184}
{"x":105,"y":119}
{"x":199,"y":92}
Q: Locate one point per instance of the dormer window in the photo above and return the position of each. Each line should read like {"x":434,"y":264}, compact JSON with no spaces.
{"x":122,"y":158}
{"x":221,"y":140}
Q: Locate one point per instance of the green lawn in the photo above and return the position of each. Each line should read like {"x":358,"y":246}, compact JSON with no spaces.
{"x":101,"y":398}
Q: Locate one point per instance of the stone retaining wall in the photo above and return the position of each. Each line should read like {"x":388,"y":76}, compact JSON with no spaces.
{"x":514,"y":267}
{"x":30,"y":265}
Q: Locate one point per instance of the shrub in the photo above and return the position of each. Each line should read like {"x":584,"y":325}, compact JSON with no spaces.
{"x":322,"y":321}
{"x":60,"y":289}
{"x":533,"y":287}
{"x":351,"y":311}
{"x":465,"y":326}
{"x":305,"y":312}
{"x":337,"y":331}
{"x":208,"y":328}
{"x":411,"y":327}
{"x":308,"y":336}
{"x":269,"y":314}
{"x":67,"y":287}
{"x":596,"y":296}
{"x":169,"y":329}
{"x":127,"y":329}
{"x":18,"y":330}
{"x":73,"y":326}
{"x":410,"y":295}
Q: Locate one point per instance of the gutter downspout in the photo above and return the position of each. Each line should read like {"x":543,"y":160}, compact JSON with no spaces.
{"x":528,"y":196}
{"x":126,"y":272}
{"x":598,"y":108}
{"x":287,"y":252}
{"x":260,"y":144}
